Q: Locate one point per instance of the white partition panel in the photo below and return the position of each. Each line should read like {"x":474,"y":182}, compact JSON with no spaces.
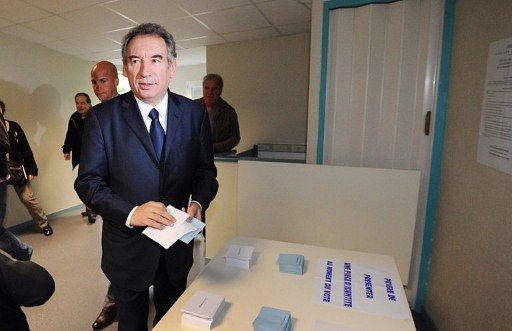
{"x":221,"y":215}
{"x":363,"y":209}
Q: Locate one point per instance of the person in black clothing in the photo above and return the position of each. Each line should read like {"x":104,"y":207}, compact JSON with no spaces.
{"x":9,"y":243}
{"x":22,"y":283}
{"x":104,"y":81}
{"x":73,"y":142}
{"x":21,"y":153}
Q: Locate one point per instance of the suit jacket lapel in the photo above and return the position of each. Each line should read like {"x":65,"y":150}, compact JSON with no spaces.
{"x":173,"y":122}
{"x":131,"y":114}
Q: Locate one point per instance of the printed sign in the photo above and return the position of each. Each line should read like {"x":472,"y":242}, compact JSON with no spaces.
{"x":495,"y":139}
{"x":359,"y":287}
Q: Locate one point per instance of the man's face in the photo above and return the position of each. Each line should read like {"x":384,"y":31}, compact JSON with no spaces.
{"x":211,"y":93}
{"x":82,"y":105}
{"x":147,"y":68}
{"x":104,"y":83}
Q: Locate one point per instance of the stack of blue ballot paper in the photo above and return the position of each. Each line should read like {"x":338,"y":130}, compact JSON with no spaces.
{"x":291,"y":263}
{"x":272,"y":319}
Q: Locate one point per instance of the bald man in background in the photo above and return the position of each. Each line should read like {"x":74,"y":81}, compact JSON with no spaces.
{"x":104,"y":81}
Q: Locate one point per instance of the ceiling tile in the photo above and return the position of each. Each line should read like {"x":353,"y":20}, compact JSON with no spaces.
{"x":294,"y":28}
{"x":281,"y":12}
{"x":196,"y":42}
{"x":62,"y":6}
{"x":252,"y":34}
{"x":64,"y":46}
{"x":234,"y":19}
{"x":18,"y":12}
{"x":94,"y":29}
{"x":187,"y":28}
{"x":95,"y":43}
{"x":26,"y":34}
{"x":201,"y":6}
{"x":157,"y":11}
{"x":116,"y":35}
{"x":57,"y":27}
{"x":99,"y":19}
{"x":100,"y":56}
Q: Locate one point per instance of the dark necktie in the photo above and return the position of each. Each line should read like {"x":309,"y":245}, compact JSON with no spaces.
{"x":156,"y":132}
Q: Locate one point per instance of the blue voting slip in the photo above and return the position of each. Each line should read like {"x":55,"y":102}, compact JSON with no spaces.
{"x":291,"y":263}
{"x":272,"y":319}
{"x":291,"y":270}
{"x":291,"y":259}
{"x":191,"y":235}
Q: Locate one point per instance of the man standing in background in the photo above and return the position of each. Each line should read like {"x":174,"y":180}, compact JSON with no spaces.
{"x":104,"y":81}
{"x":73,"y":143}
{"x":20,"y":153}
{"x":9,"y":243}
{"x":223,"y":118}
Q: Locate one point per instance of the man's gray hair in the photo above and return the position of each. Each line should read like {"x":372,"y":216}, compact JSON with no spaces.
{"x":216,"y":78}
{"x":150,"y":29}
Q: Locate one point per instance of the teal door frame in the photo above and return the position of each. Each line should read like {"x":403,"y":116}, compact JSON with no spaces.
{"x":437,"y":147}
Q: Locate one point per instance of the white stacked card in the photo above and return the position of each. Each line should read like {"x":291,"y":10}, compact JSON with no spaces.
{"x":202,"y":309}
{"x":239,"y":256}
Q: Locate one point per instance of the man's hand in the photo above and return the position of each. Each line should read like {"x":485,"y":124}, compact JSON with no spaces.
{"x":194,"y":210}
{"x":67,"y":156}
{"x":152,"y":214}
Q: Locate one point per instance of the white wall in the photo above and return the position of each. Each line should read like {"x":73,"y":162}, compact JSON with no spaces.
{"x":185,"y":74}
{"x":266,"y":81}
{"x":38,"y":86}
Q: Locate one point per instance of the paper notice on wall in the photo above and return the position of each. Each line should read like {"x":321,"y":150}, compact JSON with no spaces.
{"x":495,"y":138}
{"x":360,"y":287}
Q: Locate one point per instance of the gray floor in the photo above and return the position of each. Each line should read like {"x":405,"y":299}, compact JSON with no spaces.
{"x":72,"y":256}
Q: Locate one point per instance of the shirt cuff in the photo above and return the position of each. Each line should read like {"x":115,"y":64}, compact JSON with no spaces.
{"x":200,"y":207}
{"x":128,"y":219}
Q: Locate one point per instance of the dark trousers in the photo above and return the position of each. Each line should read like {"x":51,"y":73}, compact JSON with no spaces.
{"x":132,"y":307}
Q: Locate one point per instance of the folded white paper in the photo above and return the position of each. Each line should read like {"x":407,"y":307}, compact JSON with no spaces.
{"x":202,"y":308}
{"x":185,"y":228}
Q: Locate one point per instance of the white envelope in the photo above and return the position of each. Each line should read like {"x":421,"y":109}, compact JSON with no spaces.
{"x":184,"y":225}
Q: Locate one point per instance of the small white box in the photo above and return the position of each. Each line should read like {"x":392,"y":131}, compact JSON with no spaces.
{"x":202,"y":309}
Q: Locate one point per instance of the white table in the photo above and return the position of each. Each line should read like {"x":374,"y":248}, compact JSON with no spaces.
{"x":263,"y":285}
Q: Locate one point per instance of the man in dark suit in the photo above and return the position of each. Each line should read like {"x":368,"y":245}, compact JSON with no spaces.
{"x":104,"y":83}
{"x":142,"y":151}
